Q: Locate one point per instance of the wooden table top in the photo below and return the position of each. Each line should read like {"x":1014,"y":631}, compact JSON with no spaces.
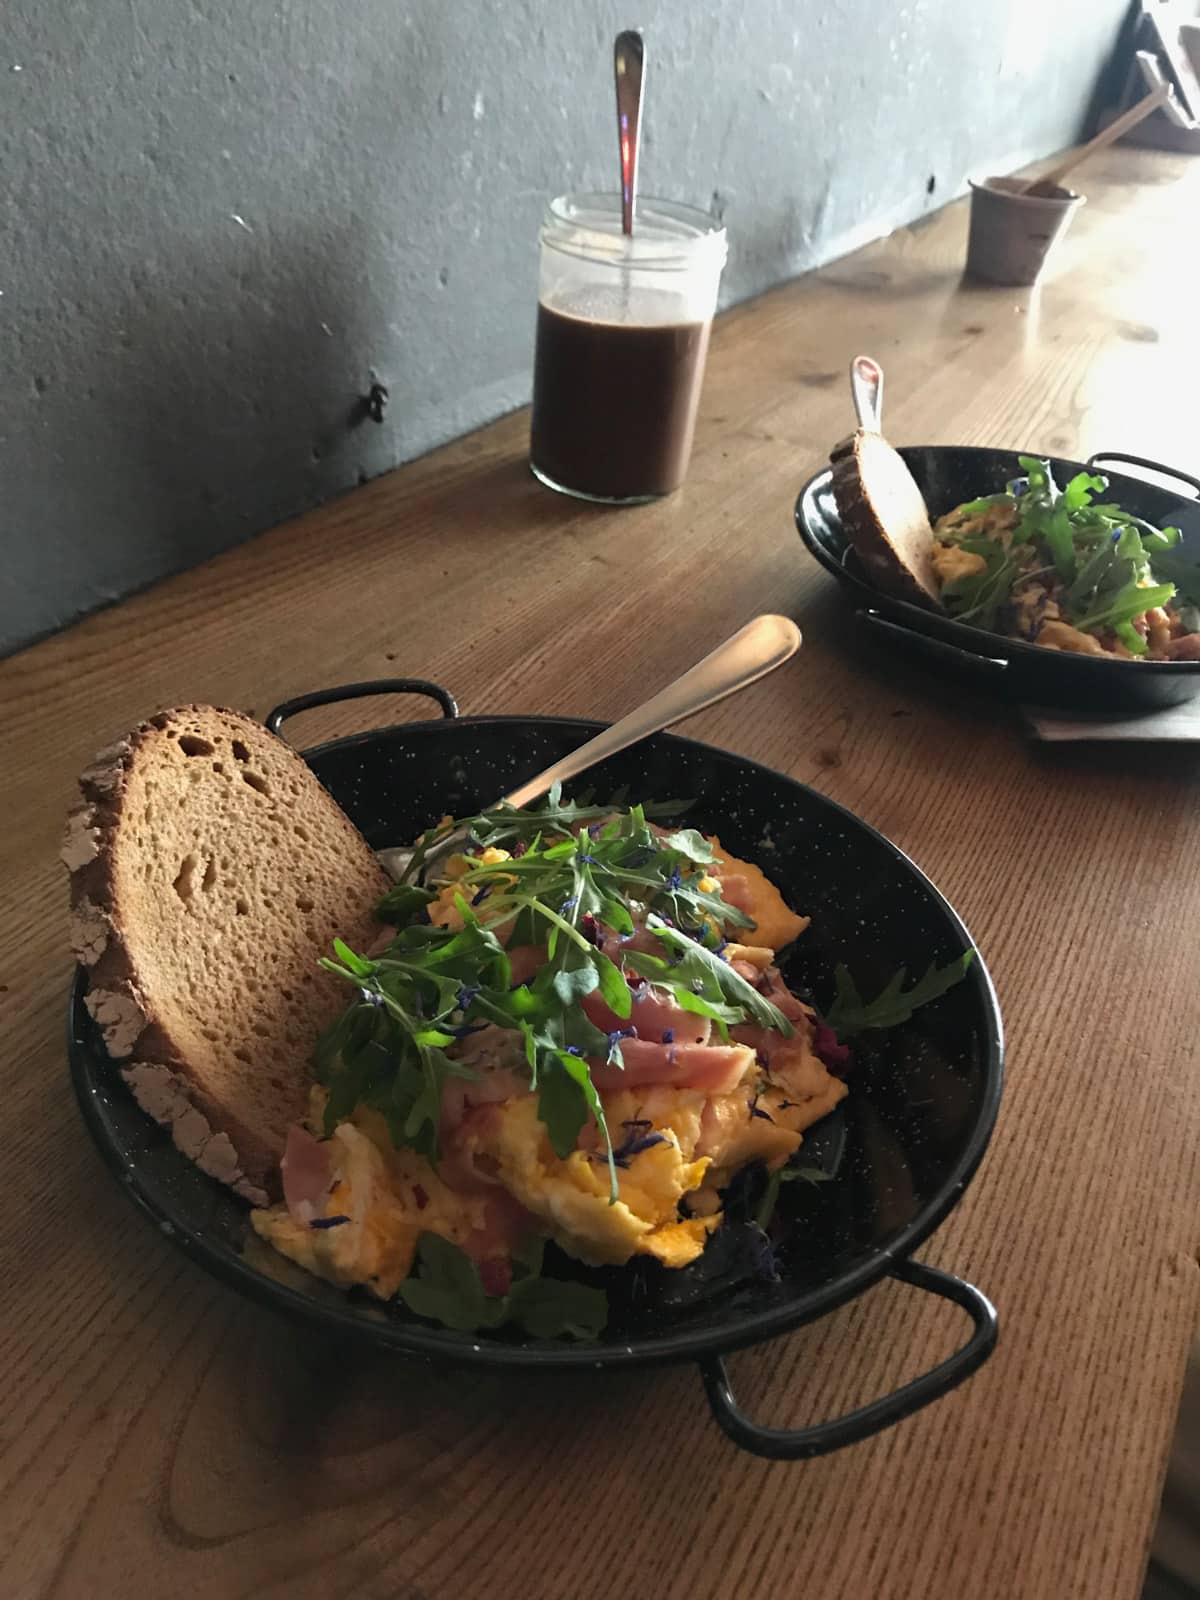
{"x":160,"y":1437}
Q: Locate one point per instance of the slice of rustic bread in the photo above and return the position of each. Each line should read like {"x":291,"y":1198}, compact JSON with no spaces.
{"x":885,"y":517}
{"x":209,"y":873}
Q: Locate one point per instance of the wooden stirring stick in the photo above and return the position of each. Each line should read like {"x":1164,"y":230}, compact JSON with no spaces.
{"x":1122,"y":124}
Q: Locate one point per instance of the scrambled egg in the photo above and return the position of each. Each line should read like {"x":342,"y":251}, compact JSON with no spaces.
{"x":374,"y":1246}
{"x":775,"y":924}
{"x":445,"y":910}
{"x":572,"y":1196}
{"x":951,"y":561}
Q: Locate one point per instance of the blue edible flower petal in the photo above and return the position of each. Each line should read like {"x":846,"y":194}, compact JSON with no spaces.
{"x":762,"y":1256}
{"x":634,"y":1142}
{"x":614,"y":1039}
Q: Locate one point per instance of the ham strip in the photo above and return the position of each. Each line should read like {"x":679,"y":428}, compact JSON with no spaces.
{"x":653,"y":1014}
{"x":713,"y":1069}
{"x":306,"y":1174}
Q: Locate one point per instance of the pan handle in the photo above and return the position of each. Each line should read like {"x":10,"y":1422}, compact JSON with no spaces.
{"x":941,"y":650}
{"x":799,"y":1444}
{"x":1142,"y":461}
{"x":357,"y":691}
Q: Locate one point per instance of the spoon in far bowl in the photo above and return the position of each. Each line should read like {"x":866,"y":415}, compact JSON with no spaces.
{"x":752,"y":652}
{"x":883,"y":512}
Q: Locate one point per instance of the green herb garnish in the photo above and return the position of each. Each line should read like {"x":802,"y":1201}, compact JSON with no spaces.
{"x":694,"y":973}
{"x":978,"y":598}
{"x":765,"y":1209}
{"x":1128,"y":602}
{"x":569,"y":892}
{"x":1101,"y":554}
{"x":850,"y":1013}
{"x":1184,"y":574}
{"x":447,"y":1288}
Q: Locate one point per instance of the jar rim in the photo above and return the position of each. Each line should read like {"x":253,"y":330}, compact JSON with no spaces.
{"x":668,"y":237}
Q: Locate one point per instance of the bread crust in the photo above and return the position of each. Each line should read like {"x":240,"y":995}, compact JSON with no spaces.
{"x":223,"y":1117}
{"x":884,"y":516}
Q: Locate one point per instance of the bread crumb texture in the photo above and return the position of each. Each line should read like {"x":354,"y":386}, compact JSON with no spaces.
{"x":210,"y":872}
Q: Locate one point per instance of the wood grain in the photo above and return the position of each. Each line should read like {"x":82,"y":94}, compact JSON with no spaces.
{"x":160,"y":1437}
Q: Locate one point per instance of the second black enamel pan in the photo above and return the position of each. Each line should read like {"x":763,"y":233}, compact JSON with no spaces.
{"x":949,"y":474}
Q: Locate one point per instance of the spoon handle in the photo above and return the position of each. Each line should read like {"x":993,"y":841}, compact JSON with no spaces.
{"x":866,"y":387}
{"x":629,"y":67}
{"x":752,"y":652}
{"x":1114,"y":130}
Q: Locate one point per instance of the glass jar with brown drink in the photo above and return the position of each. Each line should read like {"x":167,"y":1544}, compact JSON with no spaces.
{"x":622,"y":334}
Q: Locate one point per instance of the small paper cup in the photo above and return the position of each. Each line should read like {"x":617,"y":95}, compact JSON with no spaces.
{"x":1013,"y":234}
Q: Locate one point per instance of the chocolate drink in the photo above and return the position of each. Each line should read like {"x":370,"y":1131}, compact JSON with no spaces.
{"x":614,"y":398}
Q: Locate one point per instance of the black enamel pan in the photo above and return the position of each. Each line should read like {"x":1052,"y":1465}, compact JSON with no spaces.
{"x":899,"y":1152}
{"x":950,"y":474}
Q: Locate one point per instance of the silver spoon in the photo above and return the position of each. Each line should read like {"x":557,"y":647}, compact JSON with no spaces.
{"x":752,"y":652}
{"x":629,"y":70}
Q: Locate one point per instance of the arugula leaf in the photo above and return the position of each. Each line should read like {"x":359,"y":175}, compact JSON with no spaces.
{"x":1095,"y":575}
{"x":985,"y":502}
{"x":1079,"y":490}
{"x":561,"y":1107}
{"x":692,"y":844}
{"x":575,"y":978}
{"x":850,"y":1013}
{"x":981,"y":544}
{"x":553,"y":815}
{"x":613,"y":988}
{"x":1044,"y":513}
{"x":365,"y":1067}
{"x":706,"y":975}
{"x":1177,"y":569}
{"x":1156,"y":540}
{"x":1131,"y":638}
{"x":978,"y":598}
{"x":388,"y":1050}
{"x":576,"y":1069}
{"x":554,"y":1308}
{"x":1129,"y":602}
{"x":355,"y":965}
{"x":1055,"y":531}
{"x":403,"y":903}
{"x":446,"y":1287}
{"x":786,"y":1174}
{"x":1037,"y":475}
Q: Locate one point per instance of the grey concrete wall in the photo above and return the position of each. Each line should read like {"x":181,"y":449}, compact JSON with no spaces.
{"x":220,"y":218}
